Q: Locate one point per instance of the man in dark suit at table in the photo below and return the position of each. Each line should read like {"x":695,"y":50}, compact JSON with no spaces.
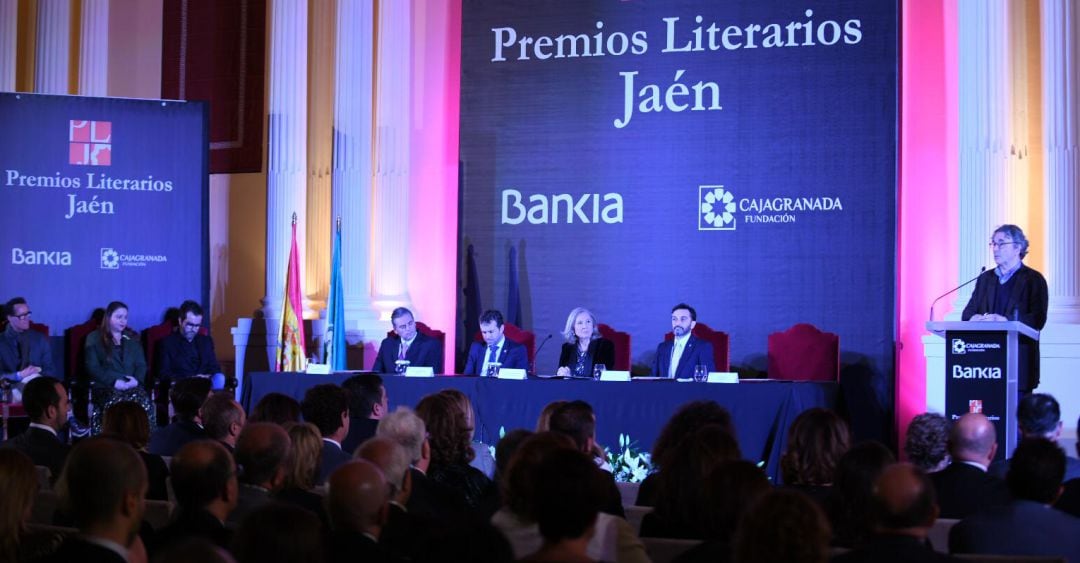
{"x":496,"y":348}
{"x":407,"y":345}
{"x":676,"y":358}
{"x":368,"y":403}
{"x":46,"y":403}
{"x":965,"y":487}
{"x":327,"y":407}
{"x":186,"y":353}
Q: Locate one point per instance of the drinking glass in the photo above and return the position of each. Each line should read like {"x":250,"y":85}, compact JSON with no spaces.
{"x":493,"y":369}
{"x":701,"y":373}
{"x":598,"y":371}
{"x":401,"y":366}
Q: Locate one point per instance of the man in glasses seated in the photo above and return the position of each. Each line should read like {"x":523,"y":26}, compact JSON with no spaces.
{"x":24,"y":353}
{"x":187,"y":353}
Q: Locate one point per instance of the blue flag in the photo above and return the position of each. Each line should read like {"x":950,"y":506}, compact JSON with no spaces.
{"x":334,"y":347}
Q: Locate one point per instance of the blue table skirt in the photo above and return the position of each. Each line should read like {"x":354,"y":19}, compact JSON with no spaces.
{"x":762,"y":410}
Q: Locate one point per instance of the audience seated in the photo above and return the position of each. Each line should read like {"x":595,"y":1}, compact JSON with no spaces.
{"x":784,"y":526}
{"x":729,"y":492}
{"x":504,"y":450}
{"x":279,"y":533}
{"x":223,"y":419}
{"x":451,"y":451}
{"x":46,"y":403}
{"x":1069,"y":502}
{"x":927,"y":442}
{"x":569,"y":492}
{"x":903,"y":509}
{"x":483,"y":461}
{"x":816,"y":440}
{"x":543,"y":422}
{"x":187,"y":397}
{"x":357,"y":502}
{"x":689,"y":417}
{"x":277,"y":408}
{"x":327,"y":407}
{"x":428,"y":499}
{"x":18,"y":487}
{"x":680,"y":508}
{"x":368,"y":403}
{"x":577,"y":420}
{"x":261,"y":452}
{"x":964,"y":487}
{"x":1039,"y":416}
{"x":852,"y":492}
{"x":127,"y":422}
{"x":402,"y":533}
{"x":207,"y":491}
{"x":198,"y":550}
{"x":102,"y":488}
{"x":1026,"y":525}
{"x":302,"y":469}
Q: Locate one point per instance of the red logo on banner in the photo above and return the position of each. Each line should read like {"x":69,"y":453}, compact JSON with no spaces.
{"x":89,"y":142}
{"x":975,"y":406}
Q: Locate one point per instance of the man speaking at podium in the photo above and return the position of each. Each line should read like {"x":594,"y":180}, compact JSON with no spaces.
{"x":1012,"y":292}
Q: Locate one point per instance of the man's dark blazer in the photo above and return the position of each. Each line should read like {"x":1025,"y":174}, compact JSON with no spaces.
{"x":963,"y":490}
{"x":332,"y":458}
{"x":424,"y":351}
{"x":430,"y":500}
{"x":1000,"y":468}
{"x":1069,"y":501}
{"x":894,"y":549}
{"x":696,"y":352}
{"x":601,"y":351}
{"x":179,"y":358}
{"x":1021,"y":527}
{"x":77,"y":549}
{"x":168,"y":440}
{"x":1029,"y":298}
{"x":346,"y":545}
{"x":197,"y":523}
{"x":41,"y":447}
{"x":360,"y":429}
{"x":513,"y":355}
{"x":34,"y":349}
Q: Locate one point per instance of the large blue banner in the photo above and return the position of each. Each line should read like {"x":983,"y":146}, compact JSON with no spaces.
{"x":104,"y":199}
{"x":738,"y":155}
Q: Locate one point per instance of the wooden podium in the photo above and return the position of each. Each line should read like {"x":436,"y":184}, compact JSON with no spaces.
{"x":981,"y":372}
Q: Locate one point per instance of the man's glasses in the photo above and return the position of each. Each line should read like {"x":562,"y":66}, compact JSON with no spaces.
{"x":994,"y":244}
{"x":23,"y":316}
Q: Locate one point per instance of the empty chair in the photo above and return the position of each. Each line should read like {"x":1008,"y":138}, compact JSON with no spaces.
{"x":804,"y":353}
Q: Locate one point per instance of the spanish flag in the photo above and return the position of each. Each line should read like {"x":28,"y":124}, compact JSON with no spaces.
{"x":291,"y":355}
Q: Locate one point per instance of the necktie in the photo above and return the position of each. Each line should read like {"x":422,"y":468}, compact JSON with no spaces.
{"x":491,"y":353}
{"x":401,"y":352}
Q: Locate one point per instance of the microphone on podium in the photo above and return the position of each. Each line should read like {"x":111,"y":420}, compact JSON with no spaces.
{"x":532,"y":368}
{"x":953,"y":290}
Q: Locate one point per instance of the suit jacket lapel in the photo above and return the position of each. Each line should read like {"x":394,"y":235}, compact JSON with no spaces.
{"x":685,"y":354}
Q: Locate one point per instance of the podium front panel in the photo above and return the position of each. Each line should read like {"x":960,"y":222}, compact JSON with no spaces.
{"x":980,"y":377}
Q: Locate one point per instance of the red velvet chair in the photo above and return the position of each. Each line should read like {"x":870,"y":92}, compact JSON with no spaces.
{"x":523,"y":337}
{"x":720,"y":341}
{"x":804,"y":353}
{"x":43,"y":329}
{"x":431,"y":333}
{"x":621,"y":340}
{"x":77,"y":381}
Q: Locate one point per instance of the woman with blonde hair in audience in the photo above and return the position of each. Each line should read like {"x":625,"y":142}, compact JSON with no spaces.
{"x":303,"y":468}
{"x":18,"y":487}
{"x":450,"y":438}
{"x":128,"y":422}
{"x":543,"y":424}
{"x":816,"y":441}
{"x":483,"y":461}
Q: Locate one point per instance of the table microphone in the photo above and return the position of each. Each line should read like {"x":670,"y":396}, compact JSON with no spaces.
{"x":953,"y":290}
{"x":541,"y":347}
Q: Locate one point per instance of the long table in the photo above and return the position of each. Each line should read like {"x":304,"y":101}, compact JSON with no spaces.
{"x":762,"y":409}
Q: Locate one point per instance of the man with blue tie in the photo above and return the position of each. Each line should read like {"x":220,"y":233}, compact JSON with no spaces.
{"x":678,"y":357}
{"x":496,"y":349}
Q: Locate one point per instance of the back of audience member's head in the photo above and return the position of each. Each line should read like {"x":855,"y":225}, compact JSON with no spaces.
{"x":261,"y":451}
{"x":849,"y":506}
{"x":18,"y":487}
{"x":201,"y":472}
{"x":103,"y":480}
{"x":927,"y":442}
{"x":816,"y":440}
{"x":389,"y":457}
{"x":569,"y":494}
{"x":194,"y":549}
{"x":127,"y":421}
{"x":1036,"y":471}
{"x":519,"y":482}
{"x":505,"y":448}
{"x":972,"y":438}
{"x":327,"y":407}
{"x":405,"y":428}
{"x":277,"y":408}
{"x":39,"y":394}
{"x":188,"y":395}
{"x":1039,"y":415}
{"x":729,"y":491}
{"x":463,"y":402}
{"x":783,"y":526}
{"x":904,"y":499}
{"x":577,"y":420}
{"x":687,"y":418}
{"x":681,"y":482}
{"x":305,"y":455}
{"x":221,"y":415}
{"x":357,"y":497}
{"x":365,"y":391}
{"x":279,"y":533}
{"x":543,"y":422}
{"x":448,"y":431}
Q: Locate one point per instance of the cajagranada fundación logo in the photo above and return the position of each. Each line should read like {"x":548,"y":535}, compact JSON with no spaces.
{"x":110,"y":259}
{"x":717,"y":209}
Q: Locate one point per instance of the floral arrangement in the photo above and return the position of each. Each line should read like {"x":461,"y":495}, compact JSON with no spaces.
{"x":629,"y":464}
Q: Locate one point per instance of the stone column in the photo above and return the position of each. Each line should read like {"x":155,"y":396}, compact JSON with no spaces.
{"x":320,"y":153}
{"x":1061,"y":133}
{"x":53,"y":46}
{"x":983,"y":63}
{"x":391,"y":176}
{"x":286,"y":176}
{"x":9,"y":31}
{"x":94,"y":48}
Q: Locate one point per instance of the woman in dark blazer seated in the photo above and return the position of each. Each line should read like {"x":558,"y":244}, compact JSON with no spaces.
{"x":117,"y":366}
{"x":584,"y":348}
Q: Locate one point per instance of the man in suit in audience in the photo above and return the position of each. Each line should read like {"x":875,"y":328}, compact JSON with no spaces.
{"x":23,"y":352}
{"x":187,"y":397}
{"x":428,"y":499}
{"x":678,"y":357}
{"x":223,"y":419}
{"x":261,"y":452}
{"x":965,"y":487}
{"x":357,"y":502}
{"x":46,"y":403}
{"x":496,"y":349}
{"x":905,"y":508}
{"x":1039,"y":416}
{"x":1026,"y":525}
{"x":1069,"y":503}
{"x":103,"y":487}
{"x":407,"y":345}
{"x":204,"y":480}
{"x":368,"y":403}
{"x":401,"y":533}
{"x":327,"y":407}
{"x":186,"y":353}
{"x":577,"y":420}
